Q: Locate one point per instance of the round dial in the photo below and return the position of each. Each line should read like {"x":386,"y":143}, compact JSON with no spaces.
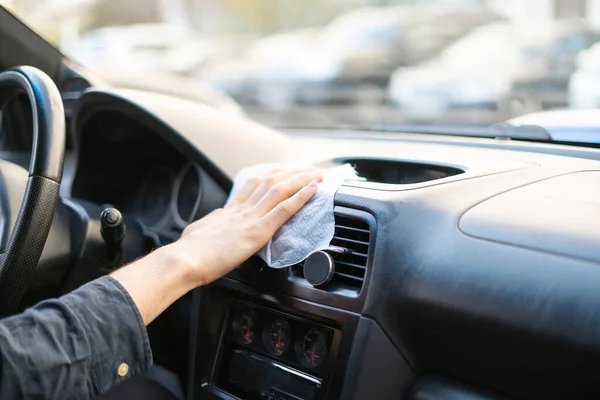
{"x":277,"y":337}
{"x":245,"y":326}
{"x":313,"y":349}
{"x":187,"y":194}
{"x":154,"y":198}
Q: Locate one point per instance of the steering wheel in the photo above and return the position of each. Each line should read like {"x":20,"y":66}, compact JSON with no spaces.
{"x":31,"y":225}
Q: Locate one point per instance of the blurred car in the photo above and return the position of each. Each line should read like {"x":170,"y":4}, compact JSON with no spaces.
{"x":549,"y":87}
{"x":348,"y":60}
{"x":500,"y":67}
{"x":400,"y":36}
{"x":173,"y":85}
{"x":267,"y":58}
{"x":584,"y":85}
{"x":138,"y":48}
{"x":191,"y":57}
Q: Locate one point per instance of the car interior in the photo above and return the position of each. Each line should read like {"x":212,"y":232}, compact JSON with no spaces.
{"x":469,"y":265}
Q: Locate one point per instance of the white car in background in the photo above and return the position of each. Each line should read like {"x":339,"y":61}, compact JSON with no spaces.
{"x":475,"y":70}
{"x":153,"y":57}
{"x":260,"y":72}
{"x":584,"y":85}
{"x":137,"y":48}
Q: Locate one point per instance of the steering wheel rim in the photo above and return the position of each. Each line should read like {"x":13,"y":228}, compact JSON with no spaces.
{"x":19,"y":259}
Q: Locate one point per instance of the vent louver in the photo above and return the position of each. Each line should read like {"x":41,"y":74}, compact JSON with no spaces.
{"x":354,"y":234}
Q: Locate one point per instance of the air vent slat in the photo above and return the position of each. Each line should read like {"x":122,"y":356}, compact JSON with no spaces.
{"x":366,"y":243}
{"x":352,"y":229}
{"x":362,"y":267}
{"x":356,"y":278}
{"x":352,"y":233}
{"x":356,"y":253}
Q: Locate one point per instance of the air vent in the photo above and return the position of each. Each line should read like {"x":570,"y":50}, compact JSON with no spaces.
{"x":352,"y":233}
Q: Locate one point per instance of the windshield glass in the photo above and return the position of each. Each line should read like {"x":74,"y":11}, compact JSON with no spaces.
{"x":331,"y":63}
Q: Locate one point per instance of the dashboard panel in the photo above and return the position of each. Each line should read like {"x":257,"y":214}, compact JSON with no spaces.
{"x":439,"y":297}
{"x":123,"y":163}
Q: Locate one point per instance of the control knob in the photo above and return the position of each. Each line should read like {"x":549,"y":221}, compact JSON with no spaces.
{"x":319,"y":267}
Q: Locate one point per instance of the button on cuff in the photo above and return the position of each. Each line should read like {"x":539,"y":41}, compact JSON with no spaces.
{"x":123,"y":369}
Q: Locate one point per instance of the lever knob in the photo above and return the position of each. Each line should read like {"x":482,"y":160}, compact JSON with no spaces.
{"x":319,"y":268}
{"x":112,"y":227}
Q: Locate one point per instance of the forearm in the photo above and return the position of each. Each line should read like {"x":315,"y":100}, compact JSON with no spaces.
{"x":158,"y":280}
{"x":74,"y":346}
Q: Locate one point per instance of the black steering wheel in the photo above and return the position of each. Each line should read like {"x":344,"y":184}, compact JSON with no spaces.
{"x":31,"y":225}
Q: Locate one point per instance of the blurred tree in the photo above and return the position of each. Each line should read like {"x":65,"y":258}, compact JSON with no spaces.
{"x":114,"y":13}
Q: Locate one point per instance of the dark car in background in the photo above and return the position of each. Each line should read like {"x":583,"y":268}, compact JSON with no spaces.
{"x":349,"y":60}
{"x":411,"y":37}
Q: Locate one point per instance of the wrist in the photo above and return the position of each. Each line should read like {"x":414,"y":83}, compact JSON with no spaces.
{"x":180,"y":263}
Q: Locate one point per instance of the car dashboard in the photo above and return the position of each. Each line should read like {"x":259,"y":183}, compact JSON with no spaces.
{"x":121,"y":163}
{"x":470,"y":265}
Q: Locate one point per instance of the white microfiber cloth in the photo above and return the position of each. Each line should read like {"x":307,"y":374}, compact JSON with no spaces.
{"x":312,"y":228}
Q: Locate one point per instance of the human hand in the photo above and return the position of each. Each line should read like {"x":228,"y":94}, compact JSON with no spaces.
{"x":222,"y":240}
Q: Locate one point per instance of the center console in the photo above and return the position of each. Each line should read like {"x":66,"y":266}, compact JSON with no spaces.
{"x":272,"y":355}
{"x":253,"y":345}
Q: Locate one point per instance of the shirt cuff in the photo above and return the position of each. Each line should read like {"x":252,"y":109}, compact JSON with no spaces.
{"x":115,"y":332}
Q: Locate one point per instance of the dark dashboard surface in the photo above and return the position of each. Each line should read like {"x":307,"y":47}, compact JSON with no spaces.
{"x":123,"y":163}
{"x":443,"y":291}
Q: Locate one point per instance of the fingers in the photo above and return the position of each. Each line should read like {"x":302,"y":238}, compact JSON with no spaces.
{"x":273,"y":179}
{"x":250,"y":186}
{"x":285,"y":189}
{"x":284,"y":210}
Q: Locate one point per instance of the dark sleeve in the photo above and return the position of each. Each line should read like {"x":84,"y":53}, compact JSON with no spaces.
{"x":74,"y":347}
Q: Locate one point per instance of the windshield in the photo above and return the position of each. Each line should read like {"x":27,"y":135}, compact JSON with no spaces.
{"x":330,"y":63}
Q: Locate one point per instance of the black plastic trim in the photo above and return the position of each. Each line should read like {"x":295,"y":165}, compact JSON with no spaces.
{"x":439,"y":388}
{"x":376,"y":369}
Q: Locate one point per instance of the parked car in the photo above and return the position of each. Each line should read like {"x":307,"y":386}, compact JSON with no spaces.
{"x":137,"y":48}
{"x":274,"y":58}
{"x":173,"y":85}
{"x":502,"y":67}
{"x":584,"y":85}
{"x":348,"y":60}
{"x":549,"y":88}
{"x":364,"y":47}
